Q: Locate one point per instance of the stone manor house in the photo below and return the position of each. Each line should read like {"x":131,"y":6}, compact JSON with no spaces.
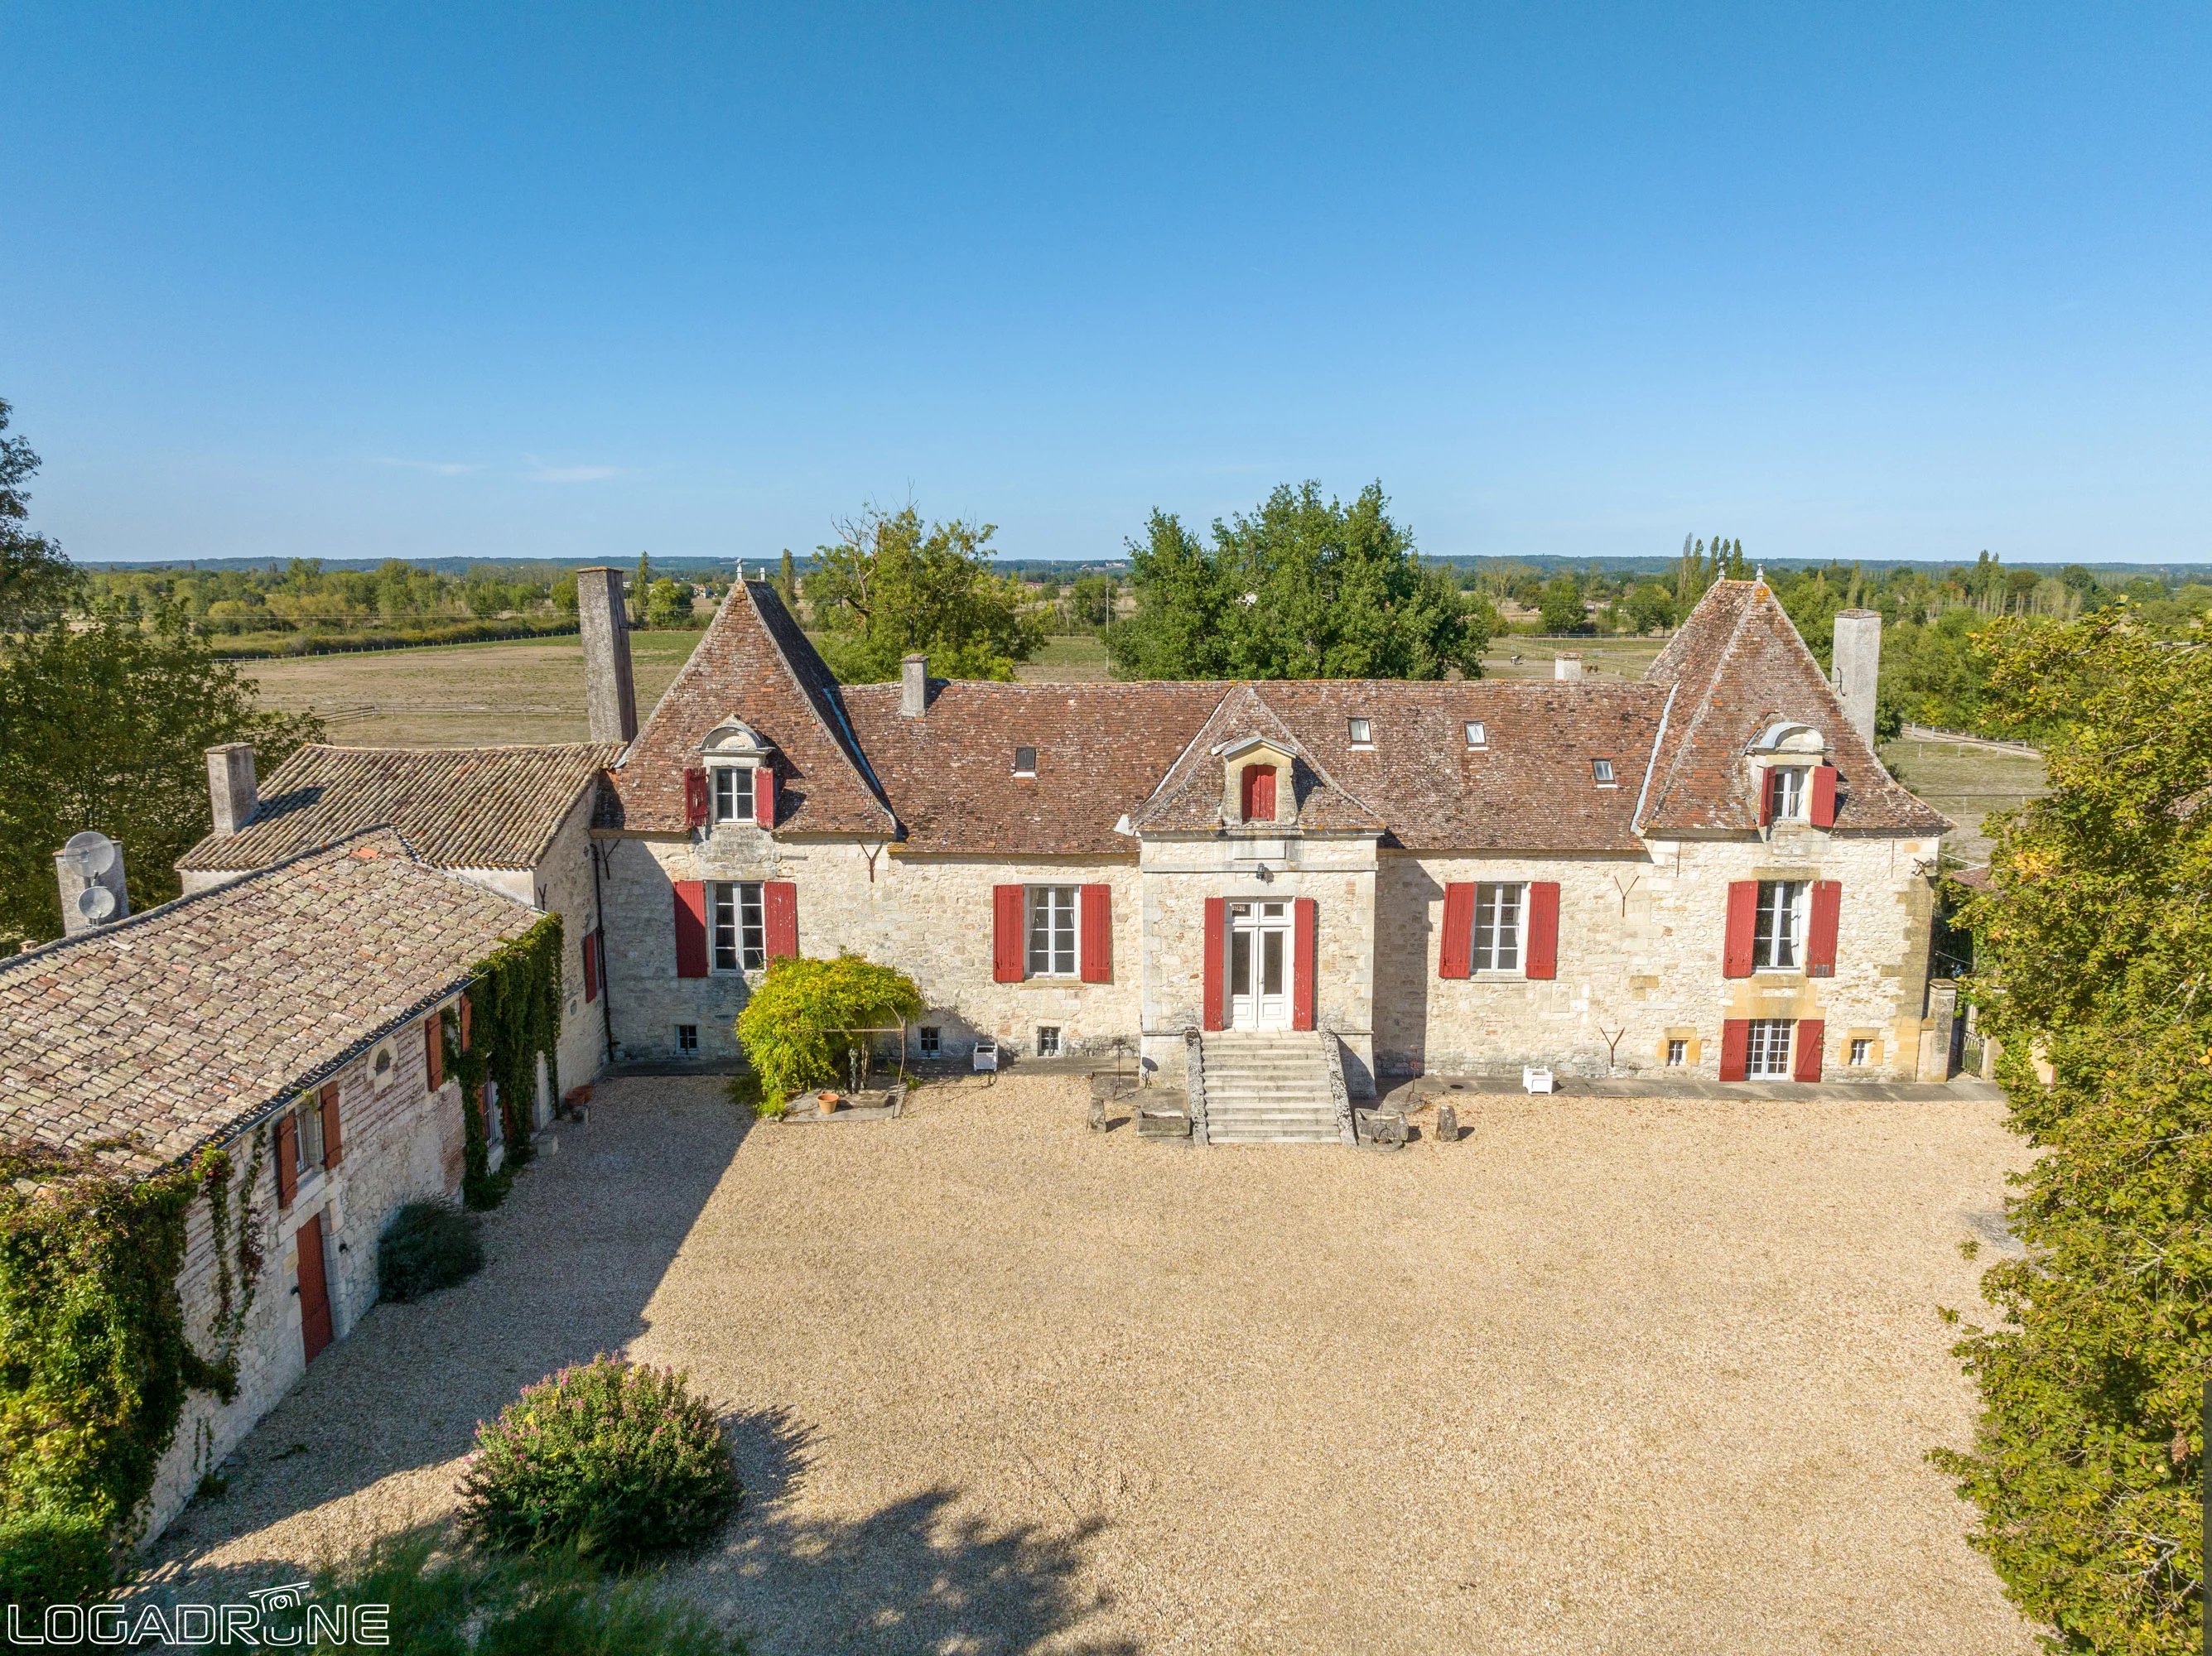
{"x":1267,"y":895}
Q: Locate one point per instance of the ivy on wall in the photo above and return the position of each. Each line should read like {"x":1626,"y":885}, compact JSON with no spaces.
{"x":515,"y":1017}
{"x":95,"y":1361}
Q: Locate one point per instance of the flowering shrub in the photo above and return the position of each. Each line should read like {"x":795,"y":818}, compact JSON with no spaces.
{"x":789,"y":1027}
{"x":615,"y":1458}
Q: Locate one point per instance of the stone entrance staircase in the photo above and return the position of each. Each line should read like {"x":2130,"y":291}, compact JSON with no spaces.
{"x":1269,"y":1088}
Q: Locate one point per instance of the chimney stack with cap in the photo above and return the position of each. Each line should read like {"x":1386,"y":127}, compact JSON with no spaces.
{"x":1567,"y":666}
{"x":914,"y":686}
{"x":1857,"y":672}
{"x":609,"y":694}
{"x":231,"y":788}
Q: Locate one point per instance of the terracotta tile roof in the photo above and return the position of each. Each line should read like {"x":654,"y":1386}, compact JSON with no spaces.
{"x":1737,"y":667}
{"x":1190,"y":798}
{"x":754,"y":664}
{"x":458,"y":807}
{"x":177,"y":1026}
{"x":1101,"y":750}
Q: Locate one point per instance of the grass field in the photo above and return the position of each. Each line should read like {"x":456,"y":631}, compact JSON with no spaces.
{"x":533,"y":691}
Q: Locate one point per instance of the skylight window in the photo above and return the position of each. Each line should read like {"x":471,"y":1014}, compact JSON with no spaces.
{"x":1025,"y":762}
{"x":1601,"y":772}
{"x":1477,"y":735}
{"x":1360,"y":732}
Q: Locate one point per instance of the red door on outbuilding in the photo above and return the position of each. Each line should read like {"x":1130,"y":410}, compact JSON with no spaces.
{"x":314,"y":1290}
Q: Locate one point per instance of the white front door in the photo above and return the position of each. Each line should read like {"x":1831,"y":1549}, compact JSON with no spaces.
{"x":1259,"y":966}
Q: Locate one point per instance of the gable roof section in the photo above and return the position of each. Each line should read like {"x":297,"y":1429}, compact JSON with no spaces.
{"x":172,"y":1029}
{"x":1736,"y":667}
{"x":1101,"y":750}
{"x":1188,"y":798}
{"x":755,"y":663}
{"x":458,"y":807}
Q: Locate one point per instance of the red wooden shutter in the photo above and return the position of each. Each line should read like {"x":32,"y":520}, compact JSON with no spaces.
{"x":695,"y":797}
{"x":1303,"y":918}
{"x":1735,"y":1048}
{"x":1097,"y":941}
{"x":691,"y":929}
{"x":1820,"y":930}
{"x":1217,"y":926}
{"x":288,"y":1159}
{"x":314,"y":1290}
{"x":333,"y":1146}
{"x":590,"y":966}
{"x":1824,"y":796}
{"x":1009,"y":952}
{"x":1542,"y":959}
{"x":1765,"y":796}
{"x":465,"y":1020}
{"x":1743,"y":928}
{"x":1811,"y":1032}
{"x":434,"y":1048}
{"x":779,"y":918}
{"x":1457,"y":959}
{"x":764,"y":797}
{"x":1259,"y":793}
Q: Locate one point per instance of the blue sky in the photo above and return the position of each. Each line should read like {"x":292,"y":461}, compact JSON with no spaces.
{"x":574,"y":282}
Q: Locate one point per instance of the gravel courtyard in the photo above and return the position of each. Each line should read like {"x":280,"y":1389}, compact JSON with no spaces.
{"x":1605,"y":1376}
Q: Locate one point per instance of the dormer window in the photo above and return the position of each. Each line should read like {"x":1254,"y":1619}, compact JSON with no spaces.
{"x":1478,"y":734}
{"x":1785,"y":793}
{"x":1259,"y":793}
{"x":1602,"y":772}
{"x":1025,"y":762}
{"x":1360,"y":732}
{"x":733,"y":793}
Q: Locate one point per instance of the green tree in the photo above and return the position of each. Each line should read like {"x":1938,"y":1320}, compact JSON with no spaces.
{"x":1090,"y":601}
{"x":1562,"y":606}
{"x":667,"y":603}
{"x":891,"y":584}
{"x":36,"y":581}
{"x":1649,"y":608}
{"x":2093,"y":947}
{"x":107,"y":726}
{"x":640,"y":582}
{"x":786,"y":580}
{"x":1303,"y":588}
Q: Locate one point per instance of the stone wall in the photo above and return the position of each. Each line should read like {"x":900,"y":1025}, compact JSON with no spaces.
{"x":1639,"y":959}
{"x":401,"y":1143}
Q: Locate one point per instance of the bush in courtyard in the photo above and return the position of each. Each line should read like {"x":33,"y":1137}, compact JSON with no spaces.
{"x":427,"y":1247}
{"x":52,"y":1558}
{"x":789,"y":1027}
{"x":613,"y":1459}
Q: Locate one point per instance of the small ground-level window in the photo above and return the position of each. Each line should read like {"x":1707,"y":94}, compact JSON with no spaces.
{"x":1047,"y":1045}
{"x":1768,"y":1057}
{"x":687,"y":1037}
{"x":1678,"y":1054}
{"x":933,"y":1039}
{"x":1862,"y":1049}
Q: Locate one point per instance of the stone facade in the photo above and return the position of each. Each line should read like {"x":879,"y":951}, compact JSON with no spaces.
{"x":401,"y":1143}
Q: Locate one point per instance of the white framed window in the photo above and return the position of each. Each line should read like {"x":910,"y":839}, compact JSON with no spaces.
{"x":1785,"y":793}
{"x":1499,"y":912}
{"x":738,"y":926}
{"x":1862,"y":1051}
{"x":1025,"y":762}
{"x":1678,"y":1053}
{"x":1360,"y":732}
{"x":1048,"y":1040}
{"x":687,"y":1037}
{"x":1778,"y":940}
{"x":1602,"y":772}
{"x":931,"y":1040}
{"x":1767,"y":1058}
{"x":1478,"y":733}
{"x":1052,"y":930}
{"x":733,"y":793}
{"x":308,"y":1117}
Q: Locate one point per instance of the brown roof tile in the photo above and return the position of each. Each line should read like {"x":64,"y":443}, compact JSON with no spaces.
{"x":175,"y":1027}
{"x":753,"y":664}
{"x":458,"y":807}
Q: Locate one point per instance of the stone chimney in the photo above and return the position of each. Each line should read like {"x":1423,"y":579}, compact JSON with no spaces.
{"x":609,"y":694}
{"x":1857,"y":674}
{"x":1567,"y":666}
{"x":914,"y":686}
{"x":89,"y":868}
{"x":231,"y":786}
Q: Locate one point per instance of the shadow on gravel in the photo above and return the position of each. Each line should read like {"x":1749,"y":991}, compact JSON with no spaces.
{"x":574,"y":1256}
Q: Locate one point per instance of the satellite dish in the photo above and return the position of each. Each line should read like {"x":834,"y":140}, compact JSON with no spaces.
{"x":96,"y":903}
{"x":91,"y":854}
